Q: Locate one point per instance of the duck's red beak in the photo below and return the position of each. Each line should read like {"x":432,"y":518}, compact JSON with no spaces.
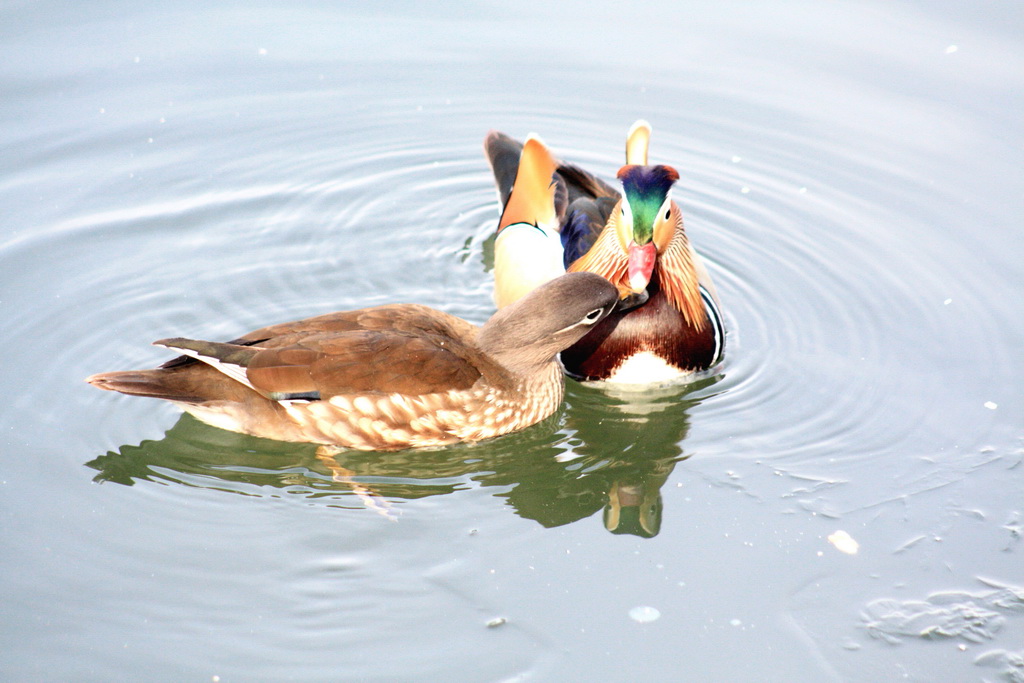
{"x":640,"y":266}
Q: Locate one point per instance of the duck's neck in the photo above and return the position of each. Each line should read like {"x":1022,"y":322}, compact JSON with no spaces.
{"x":539,"y":393}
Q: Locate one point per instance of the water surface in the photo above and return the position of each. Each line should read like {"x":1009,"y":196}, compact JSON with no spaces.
{"x":852,"y":174}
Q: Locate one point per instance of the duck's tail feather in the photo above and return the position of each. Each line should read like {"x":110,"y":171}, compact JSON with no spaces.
{"x":151,"y":383}
{"x":503,"y":153}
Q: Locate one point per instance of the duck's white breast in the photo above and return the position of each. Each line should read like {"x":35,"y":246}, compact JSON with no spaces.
{"x":646,"y":368}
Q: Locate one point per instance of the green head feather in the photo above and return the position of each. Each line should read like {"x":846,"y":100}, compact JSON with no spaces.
{"x":646,"y":188}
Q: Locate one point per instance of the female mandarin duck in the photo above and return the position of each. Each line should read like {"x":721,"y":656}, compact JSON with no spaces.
{"x":558,"y":217}
{"x":383,"y":378}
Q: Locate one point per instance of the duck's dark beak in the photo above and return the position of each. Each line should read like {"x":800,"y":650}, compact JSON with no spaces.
{"x":631,"y":301}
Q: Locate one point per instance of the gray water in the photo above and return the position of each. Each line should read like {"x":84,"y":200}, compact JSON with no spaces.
{"x":852,"y":173}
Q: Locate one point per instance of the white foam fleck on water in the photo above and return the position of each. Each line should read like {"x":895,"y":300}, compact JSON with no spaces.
{"x":644,"y":614}
{"x":844,"y":543}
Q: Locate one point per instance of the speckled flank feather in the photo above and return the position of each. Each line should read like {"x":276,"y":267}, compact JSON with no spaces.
{"x":395,"y":421}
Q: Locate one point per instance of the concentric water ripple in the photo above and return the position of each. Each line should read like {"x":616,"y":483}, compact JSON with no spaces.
{"x":851,"y":173}
{"x":830,"y":293}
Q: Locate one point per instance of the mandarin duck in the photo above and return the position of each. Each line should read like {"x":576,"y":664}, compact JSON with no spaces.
{"x":557,"y":217}
{"x":383,"y":378}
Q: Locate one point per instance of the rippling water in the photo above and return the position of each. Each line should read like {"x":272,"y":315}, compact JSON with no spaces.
{"x":851,"y":173}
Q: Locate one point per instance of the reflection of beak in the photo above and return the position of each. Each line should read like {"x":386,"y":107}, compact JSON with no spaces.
{"x":632,"y":300}
{"x":630,"y":510}
{"x":640,"y":264}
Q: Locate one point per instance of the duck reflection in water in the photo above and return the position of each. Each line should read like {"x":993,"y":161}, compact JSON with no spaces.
{"x":605,"y":451}
{"x":630,"y":441}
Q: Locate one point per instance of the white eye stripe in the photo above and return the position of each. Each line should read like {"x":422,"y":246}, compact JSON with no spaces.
{"x":589,"y":319}
{"x":627,"y":212}
{"x":666,"y":208}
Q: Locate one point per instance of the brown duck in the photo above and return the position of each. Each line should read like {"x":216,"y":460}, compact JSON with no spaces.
{"x":383,"y":378}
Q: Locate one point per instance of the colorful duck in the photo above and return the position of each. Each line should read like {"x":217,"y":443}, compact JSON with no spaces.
{"x":383,"y":378}
{"x":557,"y":217}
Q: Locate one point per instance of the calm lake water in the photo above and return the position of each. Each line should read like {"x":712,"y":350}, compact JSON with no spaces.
{"x":853,"y":174}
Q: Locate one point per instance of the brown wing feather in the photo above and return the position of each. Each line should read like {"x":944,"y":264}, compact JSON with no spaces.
{"x":582,"y":183}
{"x":395,"y":362}
{"x":333,"y":353}
{"x":283,"y":370}
{"x":412,"y":318}
{"x":366,"y":360}
{"x":361,"y":361}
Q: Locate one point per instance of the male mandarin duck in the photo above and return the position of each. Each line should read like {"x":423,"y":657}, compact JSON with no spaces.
{"x":383,"y":378}
{"x":558,"y":217}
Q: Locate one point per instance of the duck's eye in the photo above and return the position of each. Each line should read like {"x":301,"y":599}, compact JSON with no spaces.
{"x":593,"y":316}
{"x":668,"y":212}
